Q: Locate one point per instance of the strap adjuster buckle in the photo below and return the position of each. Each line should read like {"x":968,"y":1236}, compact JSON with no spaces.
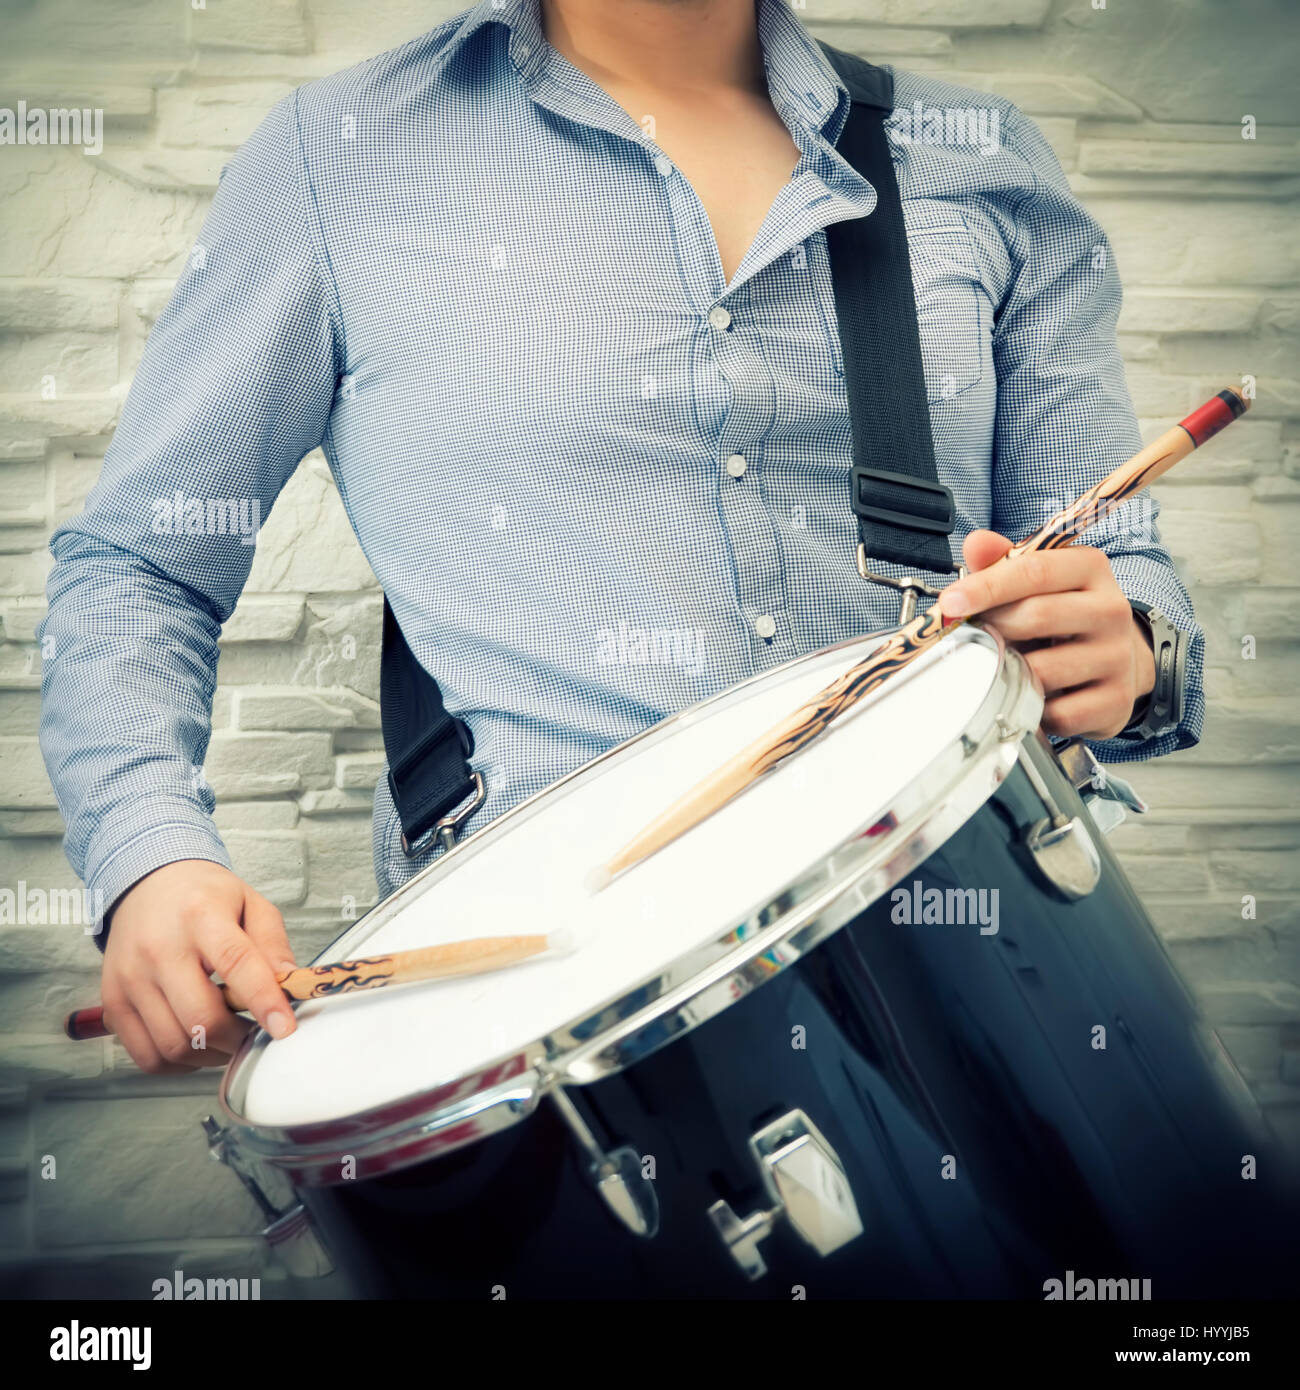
{"x":446,"y":829}
{"x":931,"y":524}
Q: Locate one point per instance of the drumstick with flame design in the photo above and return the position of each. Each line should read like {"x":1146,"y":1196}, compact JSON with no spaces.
{"x":909,"y":642}
{"x":472,"y":957}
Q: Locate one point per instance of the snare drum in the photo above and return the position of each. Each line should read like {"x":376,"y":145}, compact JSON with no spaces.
{"x":892,"y":1023}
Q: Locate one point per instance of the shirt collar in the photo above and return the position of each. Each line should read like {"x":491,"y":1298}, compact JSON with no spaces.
{"x":804,"y":85}
{"x":521,"y":18}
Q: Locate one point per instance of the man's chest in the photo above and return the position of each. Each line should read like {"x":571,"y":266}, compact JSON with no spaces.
{"x":735,"y":153}
{"x":553,"y":311}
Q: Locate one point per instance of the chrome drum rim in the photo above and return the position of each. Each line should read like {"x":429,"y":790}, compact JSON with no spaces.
{"x":761,"y":943}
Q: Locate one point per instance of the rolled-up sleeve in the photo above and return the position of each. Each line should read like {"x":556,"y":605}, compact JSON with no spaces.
{"x":234,"y":388}
{"x":1065,"y":418}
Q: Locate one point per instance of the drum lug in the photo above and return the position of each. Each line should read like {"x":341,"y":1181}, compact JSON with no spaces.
{"x":1061,"y":846}
{"x":1106,"y":795}
{"x":807,"y":1183}
{"x":615,"y":1174}
{"x":297,"y":1245}
{"x":289,"y":1232}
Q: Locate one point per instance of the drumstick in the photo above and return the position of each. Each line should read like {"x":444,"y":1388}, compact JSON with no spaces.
{"x":918,"y":636}
{"x":473,"y":957}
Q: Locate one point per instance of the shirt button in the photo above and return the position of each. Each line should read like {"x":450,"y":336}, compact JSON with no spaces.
{"x":736,"y":465}
{"x":765,"y":626}
{"x":663,"y":164}
{"x":719,"y":318}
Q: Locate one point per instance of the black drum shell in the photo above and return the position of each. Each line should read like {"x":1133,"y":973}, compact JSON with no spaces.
{"x":993,"y":1138}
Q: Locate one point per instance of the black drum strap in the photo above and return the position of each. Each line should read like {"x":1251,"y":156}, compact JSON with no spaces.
{"x":904,"y":513}
{"x":428,"y":750}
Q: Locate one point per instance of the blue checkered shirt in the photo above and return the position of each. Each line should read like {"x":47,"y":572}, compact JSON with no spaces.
{"x":592,"y":496}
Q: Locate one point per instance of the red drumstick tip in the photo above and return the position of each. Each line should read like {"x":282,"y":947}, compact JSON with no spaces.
{"x":82,"y":1024}
{"x":1216,"y":414}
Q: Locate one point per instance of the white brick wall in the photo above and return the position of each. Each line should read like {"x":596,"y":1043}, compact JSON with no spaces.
{"x":1145,"y":111}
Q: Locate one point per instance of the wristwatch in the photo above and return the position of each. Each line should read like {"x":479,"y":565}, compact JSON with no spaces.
{"x":1162,"y":711}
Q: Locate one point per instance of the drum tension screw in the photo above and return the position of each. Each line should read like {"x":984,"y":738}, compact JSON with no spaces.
{"x":1060,"y":844}
{"x":289,"y":1231}
{"x":911,"y":587}
{"x":616,"y":1174}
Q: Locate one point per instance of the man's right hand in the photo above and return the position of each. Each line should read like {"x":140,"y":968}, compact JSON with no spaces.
{"x":170,"y":931}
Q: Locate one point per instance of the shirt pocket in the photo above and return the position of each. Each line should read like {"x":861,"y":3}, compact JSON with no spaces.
{"x":946,"y":281}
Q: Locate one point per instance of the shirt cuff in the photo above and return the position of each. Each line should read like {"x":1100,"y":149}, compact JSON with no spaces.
{"x":176,"y":830}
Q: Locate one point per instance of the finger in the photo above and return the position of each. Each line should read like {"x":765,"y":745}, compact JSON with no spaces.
{"x":1072,"y":664}
{"x":1092,"y":712}
{"x":1048,"y":615}
{"x":981,"y":548}
{"x":265,"y":927}
{"x":171,"y":1040}
{"x":130,"y":1028}
{"x":1040,"y":572}
{"x":199,"y":1004}
{"x":248,"y":974}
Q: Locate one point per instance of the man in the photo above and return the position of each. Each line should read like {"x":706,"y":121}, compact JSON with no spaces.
{"x":550,"y":286}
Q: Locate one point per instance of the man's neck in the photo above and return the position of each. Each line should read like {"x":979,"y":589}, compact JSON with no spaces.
{"x":685,"y":44}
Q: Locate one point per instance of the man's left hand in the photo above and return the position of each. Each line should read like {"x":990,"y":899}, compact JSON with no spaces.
{"x":1071,"y":621}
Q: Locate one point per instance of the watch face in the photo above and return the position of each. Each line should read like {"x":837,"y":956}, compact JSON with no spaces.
{"x":1164,"y":709}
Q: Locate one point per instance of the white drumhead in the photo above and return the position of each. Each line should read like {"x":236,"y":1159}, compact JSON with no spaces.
{"x":526,"y":874}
